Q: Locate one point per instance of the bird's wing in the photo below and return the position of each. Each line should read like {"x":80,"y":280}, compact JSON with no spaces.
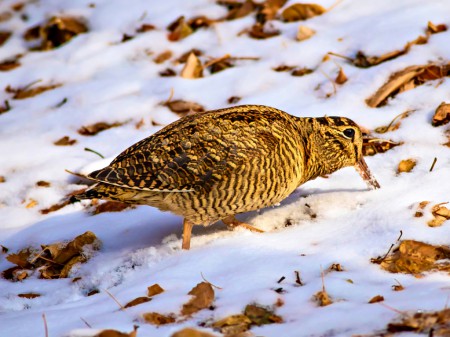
{"x":192,"y":156}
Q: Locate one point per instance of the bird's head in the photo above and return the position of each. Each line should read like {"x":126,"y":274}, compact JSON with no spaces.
{"x":337,"y":143}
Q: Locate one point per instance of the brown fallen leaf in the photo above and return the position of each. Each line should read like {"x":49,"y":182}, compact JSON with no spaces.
{"x":434,"y":29}
{"x":406,"y":165}
{"x":435,"y":323}
{"x":341,"y":78}
{"x":260,"y":316}
{"x":363,"y":61}
{"x":237,"y":10}
{"x":168,"y":72}
{"x":284,"y":67}
{"x":304,"y":33}
{"x":268,"y":9}
{"x":420,"y":208}
{"x":322,"y":298}
{"x":398,"y":286}
{"x":111,"y":206}
{"x":29,"y":295}
{"x":10,"y":64}
{"x":336,"y":267}
{"x":32,"y":203}
{"x":441,"y":115}
{"x":415,"y":257}
{"x":440,"y":215}
{"x":298,"y":11}
{"x":32,"y":33}
{"x":233,"y":99}
{"x":27,"y":92}
{"x":202,"y":298}
{"x":233,"y":324}
{"x":416,"y":75}
{"x":262,"y":31}
{"x":5,"y":107}
{"x":162,"y":57}
{"x":59,"y":30}
{"x":154,"y":290}
{"x":189,"y":332}
{"x":376,"y":299}
{"x":158,"y":319}
{"x":193,"y":68}
{"x":184,"y":57}
{"x":4,"y":36}
{"x":219,"y":64}
{"x":137,"y":301}
{"x":372,"y":145}
{"x":22,"y":257}
{"x":115,"y":333}
{"x":43,"y":183}
{"x":301,"y":72}
{"x":179,"y":29}
{"x":93,"y":129}
{"x":200,"y":22}
{"x":65,"y":141}
{"x":145,"y":27}
{"x":184,"y":108}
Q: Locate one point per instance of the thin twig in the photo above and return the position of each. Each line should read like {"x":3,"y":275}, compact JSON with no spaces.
{"x":401,"y":233}
{"x":45,"y":325}
{"x":204,"y":279}
{"x":298,"y":280}
{"x":115,"y":300}
{"x":323,"y":279}
{"x":341,"y":56}
{"x":210,"y":63}
{"x":331,"y":80}
{"x":391,"y":308}
{"x":77,"y":174}
{"x":85,"y":322}
{"x":30,"y":85}
{"x":334,"y":5}
{"x":93,"y":151}
{"x":281,"y":279}
{"x":434,"y":163}
{"x":170,"y":96}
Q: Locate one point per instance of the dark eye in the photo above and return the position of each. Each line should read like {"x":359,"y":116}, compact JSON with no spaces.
{"x":349,"y":133}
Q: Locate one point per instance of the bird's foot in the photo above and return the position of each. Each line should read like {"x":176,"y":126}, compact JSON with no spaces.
{"x":232,"y":223}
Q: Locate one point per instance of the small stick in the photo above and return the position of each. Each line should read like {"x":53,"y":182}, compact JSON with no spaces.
{"x":323,"y":279}
{"x":60,"y":104}
{"x":30,"y":85}
{"x":170,"y":97}
{"x":93,"y":151}
{"x":334,"y":5}
{"x":391,"y":308}
{"x":45,"y":325}
{"x":281,"y":279}
{"x":401,"y":233}
{"x":77,"y":174}
{"x":298,"y":280}
{"x":341,"y":56}
{"x":210,"y":63}
{"x":85,"y":322}
{"x":434,"y":163}
{"x":212,"y":285}
{"x":115,"y":300}
{"x":331,"y":80}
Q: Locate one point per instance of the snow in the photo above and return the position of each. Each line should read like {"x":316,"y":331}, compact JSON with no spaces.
{"x":105,"y":80}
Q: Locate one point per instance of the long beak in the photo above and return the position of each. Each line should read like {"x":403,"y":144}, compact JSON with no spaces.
{"x":363,"y":170}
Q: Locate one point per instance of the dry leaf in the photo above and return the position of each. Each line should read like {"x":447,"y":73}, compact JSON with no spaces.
{"x":414,"y":257}
{"x":137,"y":301}
{"x":363,"y":61}
{"x":434,"y":29}
{"x":59,"y":30}
{"x":304,"y":33}
{"x":163,"y":57}
{"x":111,"y":206}
{"x":336,"y":267}
{"x":233,"y":99}
{"x":418,"y":74}
{"x":322,"y":298}
{"x":32,"y":203}
{"x":297,"y":12}
{"x":341,"y":78}
{"x":65,"y":141}
{"x":29,"y":295}
{"x":406,"y":165}
{"x":184,"y":57}
{"x":189,"y":332}
{"x":372,"y":146}
{"x":440,"y":215}
{"x":219,"y":64}
{"x":259,"y":315}
{"x":202,"y":298}
{"x":238,"y":10}
{"x":158,"y":319}
{"x":376,"y":299}
{"x":199,"y":22}
{"x":27,"y":92}
{"x":115,"y":333}
{"x":301,"y":71}
{"x":184,"y":108}
{"x":167,"y":73}
{"x":4,"y":36}
{"x":262,"y":31}
{"x":42,"y":183}
{"x":268,"y":10}
{"x":427,"y":323}
{"x":233,"y":324}
{"x":55,"y":207}
{"x":5,"y":108}
{"x":284,"y":67}
{"x":441,"y":115}
{"x":10,"y":64}
{"x":22,"y":257}
{"x":179,"y":29}
{"x":65,"y":271}
{"x":154,"y":290}
{"x":93,"y":129}
{"x":193,"y":67}
{"x":145,"y":27}
{"x":420,"y":208}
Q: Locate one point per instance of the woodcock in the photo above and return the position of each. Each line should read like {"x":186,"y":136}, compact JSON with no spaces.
{"x":213,"y":165}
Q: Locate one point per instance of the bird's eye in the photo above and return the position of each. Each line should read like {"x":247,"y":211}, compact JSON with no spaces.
{"x":349,"y":133}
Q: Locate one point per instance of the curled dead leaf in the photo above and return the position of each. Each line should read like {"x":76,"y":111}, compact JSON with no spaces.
{"x":193,"y":67}
{"x":262,"y":31}
{"x":304,"y":33}
{"x":440,"y":215}
{"x":179,"y":29}
{"x":59,"y":30}
{"x":406,"y":165}
{"x":65,"y":141}
{"x":259,"y":315}
{"x":158,"y":319}
{"x":202,"y":298}
{"x":415,"y":257}
{"x":441,"y":115}
{"x":154,"y":290}
{"x":184,"y":108}
{"x":93,"y":129}
{"x":376,"y":299}
{"x":300,"y":11}
{"x":372,"y":145}
{"x":137,"y":301}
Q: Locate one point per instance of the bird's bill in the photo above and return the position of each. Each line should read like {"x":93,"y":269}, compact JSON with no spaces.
{"x":363,"y":170}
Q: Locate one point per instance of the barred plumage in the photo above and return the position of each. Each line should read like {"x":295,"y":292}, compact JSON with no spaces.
{"x":213,"y":165}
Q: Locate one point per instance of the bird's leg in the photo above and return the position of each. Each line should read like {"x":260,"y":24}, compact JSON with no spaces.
{"x":187,"y":229}
{"x":232,"y":223}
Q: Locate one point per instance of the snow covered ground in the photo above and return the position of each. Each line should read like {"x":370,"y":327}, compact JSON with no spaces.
{"x":106,"y":80}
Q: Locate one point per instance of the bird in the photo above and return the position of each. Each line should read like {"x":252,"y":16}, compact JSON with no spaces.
{"x":212,"y":165}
